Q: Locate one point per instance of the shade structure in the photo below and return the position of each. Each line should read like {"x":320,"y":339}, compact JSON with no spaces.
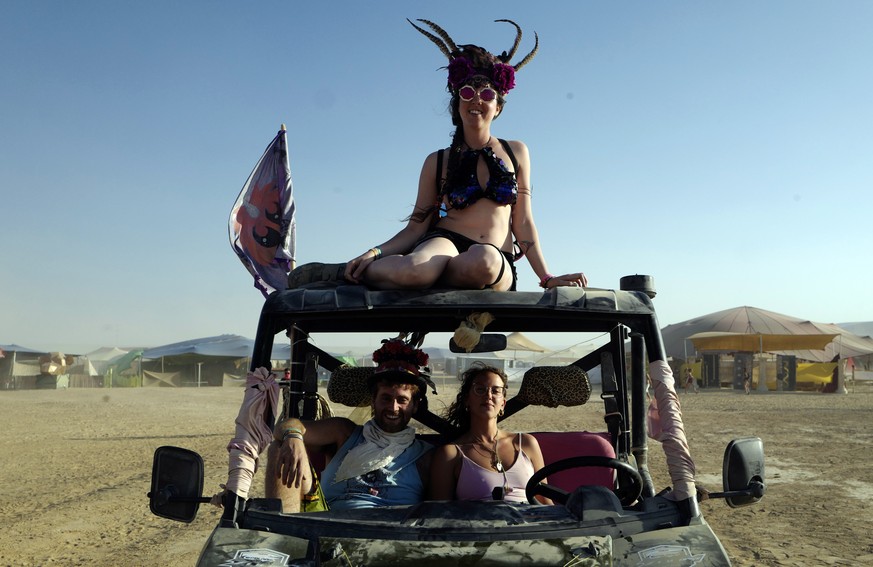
{"x":211,"y":348}
{"x":222,"y":346}
{"x":741,"y":342}
{"x":517,"y":341}
{"x":7,"y":350}
{"x":846,"y":345}
{"x":762,"y":323}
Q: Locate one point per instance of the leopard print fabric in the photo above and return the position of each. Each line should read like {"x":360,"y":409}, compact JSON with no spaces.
{"x":348,"y":386}
{"x":553,"y":386}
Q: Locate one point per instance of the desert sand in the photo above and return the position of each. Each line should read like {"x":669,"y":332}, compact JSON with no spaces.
{"x":77,"y":466}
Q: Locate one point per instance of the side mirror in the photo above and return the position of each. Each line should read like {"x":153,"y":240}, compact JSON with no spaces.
{"x":177,"y":484}
{"x":488,"y":342}
{"x":743,"y":471}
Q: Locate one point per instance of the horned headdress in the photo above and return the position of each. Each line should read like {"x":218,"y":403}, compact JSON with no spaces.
{"x":464,"y":63}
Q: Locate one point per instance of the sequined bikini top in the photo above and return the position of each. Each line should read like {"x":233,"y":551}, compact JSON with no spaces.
{"x":463,"y":188}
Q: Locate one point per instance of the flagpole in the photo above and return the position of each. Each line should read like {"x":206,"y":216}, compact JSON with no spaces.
{"x":293,"y":263}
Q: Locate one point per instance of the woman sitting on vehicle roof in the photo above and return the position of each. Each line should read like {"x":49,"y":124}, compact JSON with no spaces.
{"x":483,"y":463}
{"x":472,"y":218}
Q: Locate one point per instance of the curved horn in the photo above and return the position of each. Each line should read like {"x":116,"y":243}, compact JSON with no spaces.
{"x":504,"y":56}
{"x":442,"y":33}
{"x":437,"y":41}
{"x":530,"y":55}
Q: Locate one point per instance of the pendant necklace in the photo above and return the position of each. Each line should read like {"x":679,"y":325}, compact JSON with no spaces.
{"x":495,"y":458}
{"x":491,"y":454}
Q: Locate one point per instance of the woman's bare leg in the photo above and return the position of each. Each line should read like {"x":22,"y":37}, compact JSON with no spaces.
{"x":477,"y":268}
{"x":420,"y":269}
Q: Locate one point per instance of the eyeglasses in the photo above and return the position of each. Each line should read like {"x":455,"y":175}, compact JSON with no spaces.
{"x":482,"y":390}
{"x":486,"y":94}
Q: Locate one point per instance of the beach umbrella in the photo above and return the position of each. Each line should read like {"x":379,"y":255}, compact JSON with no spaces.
{"x":261,"y":227}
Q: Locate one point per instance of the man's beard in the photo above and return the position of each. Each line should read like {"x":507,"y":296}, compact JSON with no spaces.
{"x":391,"y":426}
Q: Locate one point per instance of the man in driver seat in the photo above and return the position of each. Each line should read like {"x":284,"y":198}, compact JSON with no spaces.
{"x":380,"y":463}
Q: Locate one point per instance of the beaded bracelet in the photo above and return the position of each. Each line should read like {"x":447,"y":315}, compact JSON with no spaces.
{"x":290,"y":431}
{"x":544,"y":282}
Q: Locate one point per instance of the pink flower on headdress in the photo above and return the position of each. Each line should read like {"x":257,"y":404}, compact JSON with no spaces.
{"x":460,"y":69}
{"x":503,"y":77}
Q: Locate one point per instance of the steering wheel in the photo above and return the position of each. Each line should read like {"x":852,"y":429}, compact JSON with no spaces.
{"x":626,"y":495}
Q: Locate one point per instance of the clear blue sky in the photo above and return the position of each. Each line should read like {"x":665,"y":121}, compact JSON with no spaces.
{"x":724,"y":148}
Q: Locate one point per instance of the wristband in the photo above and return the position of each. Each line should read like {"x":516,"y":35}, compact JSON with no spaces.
{"x":292,"y":432}
{"x":377,"y":252}
{"x":544,"y":281}
{"x":288,"y":431}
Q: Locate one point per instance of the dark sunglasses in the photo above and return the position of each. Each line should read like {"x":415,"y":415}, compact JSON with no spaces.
{"x":486,"y":94}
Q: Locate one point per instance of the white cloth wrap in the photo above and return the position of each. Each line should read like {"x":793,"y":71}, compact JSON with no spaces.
{"x":253,"y":433}
{"x":672,"y":431}
{"x":377,"y":450}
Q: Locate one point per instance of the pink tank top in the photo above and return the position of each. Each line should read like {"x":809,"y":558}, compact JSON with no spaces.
{"x":476,"y":482}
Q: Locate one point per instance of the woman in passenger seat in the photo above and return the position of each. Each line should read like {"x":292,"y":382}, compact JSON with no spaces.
{"x":484,"y":462}
{"x":472,"y":218}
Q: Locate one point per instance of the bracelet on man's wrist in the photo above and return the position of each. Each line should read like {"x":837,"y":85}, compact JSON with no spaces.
{"x":377,"y":252}
{"x":292,"y":433}
{"x":289,"y":430}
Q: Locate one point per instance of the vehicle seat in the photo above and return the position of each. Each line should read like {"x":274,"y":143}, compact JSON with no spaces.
{"x":348,"y":385}
{"x":563,"y":445}
{"x":553,"y":386}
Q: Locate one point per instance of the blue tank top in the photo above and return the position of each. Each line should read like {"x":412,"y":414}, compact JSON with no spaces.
{"x":397,"y":484}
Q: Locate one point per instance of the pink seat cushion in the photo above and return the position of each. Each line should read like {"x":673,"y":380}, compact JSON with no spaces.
{"x":563,"y":445}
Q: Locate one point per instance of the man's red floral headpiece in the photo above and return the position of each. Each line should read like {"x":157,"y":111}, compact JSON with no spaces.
{"x":399,"y":362}
{"x":396,"y":355}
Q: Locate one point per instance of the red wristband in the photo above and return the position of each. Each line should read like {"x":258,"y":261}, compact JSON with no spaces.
{"x":544,"y":281}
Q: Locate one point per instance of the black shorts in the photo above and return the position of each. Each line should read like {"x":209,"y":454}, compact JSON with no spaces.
{"x":462,"y":244}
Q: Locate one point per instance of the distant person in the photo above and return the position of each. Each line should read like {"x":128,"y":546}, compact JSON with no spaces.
{"x":690,"y":381}
{"x":380,"y":463}
{"x":747,"y":382}
{"x":473,"y":216}
{"x":483,"y":463}
{"x":648,"y":387}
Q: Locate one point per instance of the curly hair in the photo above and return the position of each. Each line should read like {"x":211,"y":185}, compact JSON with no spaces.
{"x":458,"y":414}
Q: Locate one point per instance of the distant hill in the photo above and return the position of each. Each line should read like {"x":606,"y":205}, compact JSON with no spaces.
{"x":863,"y":329}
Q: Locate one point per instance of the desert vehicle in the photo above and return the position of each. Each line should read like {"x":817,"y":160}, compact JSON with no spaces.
{"x":606,"y":508}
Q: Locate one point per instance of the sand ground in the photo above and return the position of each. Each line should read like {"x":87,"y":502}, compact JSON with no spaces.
{"x":77,"y":466}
